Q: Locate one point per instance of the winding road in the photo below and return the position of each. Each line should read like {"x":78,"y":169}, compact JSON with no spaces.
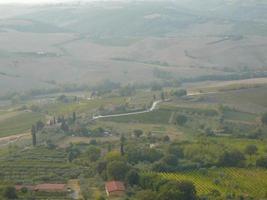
{"x":153,"y":107}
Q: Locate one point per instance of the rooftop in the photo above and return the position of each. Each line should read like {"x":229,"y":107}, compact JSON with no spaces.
{"x":113,"y":186}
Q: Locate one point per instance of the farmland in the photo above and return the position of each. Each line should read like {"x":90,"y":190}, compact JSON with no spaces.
{"x":210,"y":130}
{"x":165,"y":100}
{"x":226,"y":181}
{"x":11,"y":124}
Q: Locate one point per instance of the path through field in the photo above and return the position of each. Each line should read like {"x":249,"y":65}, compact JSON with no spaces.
{"x":13,"y":138}
{"x":74,"y":185}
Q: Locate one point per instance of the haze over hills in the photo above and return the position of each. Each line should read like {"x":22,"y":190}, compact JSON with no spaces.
{"x":48,"y":46}
{"x":133,"y":99}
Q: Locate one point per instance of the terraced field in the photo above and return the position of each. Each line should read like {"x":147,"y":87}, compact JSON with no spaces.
{"x":37,"y":165}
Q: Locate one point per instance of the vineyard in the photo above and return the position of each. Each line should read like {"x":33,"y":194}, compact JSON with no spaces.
{"x":37,"y":165}
{"x":225,"y":180}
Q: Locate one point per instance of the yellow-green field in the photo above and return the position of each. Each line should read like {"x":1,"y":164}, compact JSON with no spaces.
{"x":226,"y":180}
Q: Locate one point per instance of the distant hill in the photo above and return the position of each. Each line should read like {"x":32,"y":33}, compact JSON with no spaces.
{"x":127,"y":41}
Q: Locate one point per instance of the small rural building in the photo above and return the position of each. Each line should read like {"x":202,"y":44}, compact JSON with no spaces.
{"x":114,"y":188}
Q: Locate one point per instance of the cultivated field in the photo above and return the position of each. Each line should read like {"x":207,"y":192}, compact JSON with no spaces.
{"x":16,"y":123}
{"x":247,"y":182}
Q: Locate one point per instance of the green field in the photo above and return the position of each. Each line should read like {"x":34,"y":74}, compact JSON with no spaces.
{"x":239,"y":116}
{"x":251,"y":100}
{"x":36,"y":165}
{"x":85,"y":106}
{"x":19,"y":123}
{"x":226,"y":180}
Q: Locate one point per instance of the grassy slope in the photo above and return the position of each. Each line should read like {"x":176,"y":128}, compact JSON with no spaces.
{"x":19,"y":123}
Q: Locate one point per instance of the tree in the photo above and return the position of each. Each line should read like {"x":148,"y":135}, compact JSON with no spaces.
{"x":181,"y":120}
{"x":175,"y":150}
{"x":10,"y":193}
{"x":113,"y":156}
{"x":24,"y":190}
{"x":264,"y":119}
{"x":152,"y":155}
{"x":170,"y":160}
{"x":188,"y":190}
{"x":166,"y":138}
{"x":73,"y":153}
{"x":251,"y":149}
{"x":63,"y":98}
{"x":33,"y":132}
{"x":231,"y":159}
{"x":117,"y":170}
{"x":173,"y":190}
{"x":262,"y":162}
{"x":64,"y":126}
{"x":101,"y":198}
{"x":93,"y":142}
{"x":50,"y":144}
{"x":74,"y":116}
{"x":256,"y":134}
{"x":180,"y":93}
{"x":93,"y":153}
{"x":101,"y":166}
{"x":122,"y":141}
{"x":170,"y":191}
{"x":162,"y":96}
{"x":128,"y":90}
{"x":161,"y":167}
{"x":156,"y":87}
{"x":132,"y":177}
{"x":146,"y":195}
{"x":138,"y":133}
{"x":39,"y":125}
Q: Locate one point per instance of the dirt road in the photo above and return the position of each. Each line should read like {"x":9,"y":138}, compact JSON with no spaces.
{"x":12,"y":138}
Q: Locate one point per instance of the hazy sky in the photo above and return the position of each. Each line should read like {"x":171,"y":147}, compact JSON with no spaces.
{"x":39,"y":1}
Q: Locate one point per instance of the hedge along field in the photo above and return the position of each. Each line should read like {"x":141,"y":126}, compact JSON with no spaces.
{"x":19,"y":123}
{"x":225,"y":180}
{"x":239,"y":116}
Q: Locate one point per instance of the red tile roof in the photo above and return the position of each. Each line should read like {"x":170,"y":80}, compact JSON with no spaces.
{"x":113,"y":186}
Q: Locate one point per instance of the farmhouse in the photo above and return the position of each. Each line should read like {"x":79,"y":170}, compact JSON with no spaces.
{"x":114,"y":188}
